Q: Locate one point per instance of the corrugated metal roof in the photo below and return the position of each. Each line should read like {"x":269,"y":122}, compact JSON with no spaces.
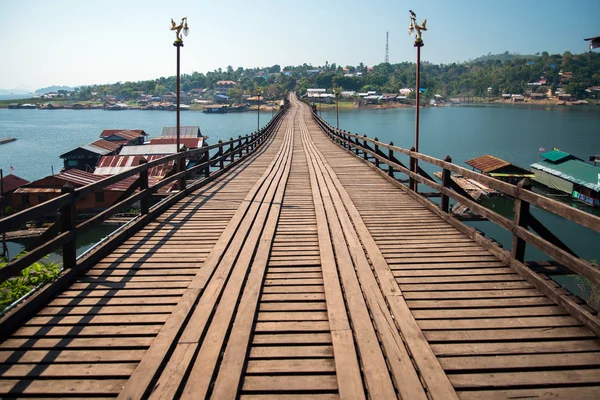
{"x":94,"y":149}
{"x":112,"y":165}
{"x":487,"y":163}
{"x":573,"y":171}
{"x":105,"y":144}
{"x":184,"y":131}
{"x":133,"y":133}
{"x":149,"y":149}
{"x":189,"y":143}
{"x":555,"y":155}
{"x":11,"y":182}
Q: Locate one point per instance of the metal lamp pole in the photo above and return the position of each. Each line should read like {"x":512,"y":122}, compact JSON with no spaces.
{"x":418,"y":44}
{"x":258,"y":111}
{"x":179,"y":44}
{"x":336,"y":91}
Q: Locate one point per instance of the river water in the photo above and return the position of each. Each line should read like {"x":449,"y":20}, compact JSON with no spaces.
{"x":513,"y":133}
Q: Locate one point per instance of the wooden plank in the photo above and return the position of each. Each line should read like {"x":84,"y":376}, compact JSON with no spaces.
{"x":63,"y":387}
{"x":557,"y":347}
{"x":83,"y":370}
{"x":513,"y":362}
{"x":290,"y":366}
{"x":290,"y":383}
{"x":526,"y":378}
{"x":578,"y":392}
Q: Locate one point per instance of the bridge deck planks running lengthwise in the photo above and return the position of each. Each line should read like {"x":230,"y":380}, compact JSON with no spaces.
{"x":302,"y":273}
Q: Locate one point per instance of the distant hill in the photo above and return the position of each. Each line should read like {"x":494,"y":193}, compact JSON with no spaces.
{"x":506,"y":56}
{"x":53,"y":89}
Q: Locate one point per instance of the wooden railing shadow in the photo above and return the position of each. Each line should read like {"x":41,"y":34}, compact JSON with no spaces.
{"x":215,"y":161}
{"x":525,"y":227}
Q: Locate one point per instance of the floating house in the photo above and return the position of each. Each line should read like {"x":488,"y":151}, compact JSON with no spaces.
{"x":566,"y":173}
{"x":9,"y":184}
{"x":499,"y":169}
{"x":86,"y":157}
{"x":184,"y":132}
{"x":49,"y":187}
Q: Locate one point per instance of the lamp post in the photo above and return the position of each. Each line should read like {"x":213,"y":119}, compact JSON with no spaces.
{"x":259,"y":91}
{"x":336,"y":92}
{"x":418,"y":44}
{"x":179,"y":44}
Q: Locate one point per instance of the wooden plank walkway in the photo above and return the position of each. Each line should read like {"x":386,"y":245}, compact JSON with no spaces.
{"x":302,"y":273}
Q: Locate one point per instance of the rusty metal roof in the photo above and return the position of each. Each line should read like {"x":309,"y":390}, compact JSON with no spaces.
{"x":112,"y":165}
{"x":128,"y":133}
{"x":189,"y":143}
{"x":11,"y":182}
{"x":487,"y":163}
{"x":184,"y":131}
{"x":105,"y":144}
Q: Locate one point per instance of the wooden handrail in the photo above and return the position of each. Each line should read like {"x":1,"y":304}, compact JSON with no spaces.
{"x":548,"y":243}
{"x":66,"y":202}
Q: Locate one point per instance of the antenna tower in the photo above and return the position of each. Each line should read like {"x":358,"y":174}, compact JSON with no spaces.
{"x":387,"y":53}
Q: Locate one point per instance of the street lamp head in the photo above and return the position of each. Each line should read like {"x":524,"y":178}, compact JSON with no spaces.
{"x":415,"y":26}
{"x":177,"y":28}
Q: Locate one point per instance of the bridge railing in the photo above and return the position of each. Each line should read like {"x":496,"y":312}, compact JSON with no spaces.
{"x":214,"y":159}
{"x":383,"y":157}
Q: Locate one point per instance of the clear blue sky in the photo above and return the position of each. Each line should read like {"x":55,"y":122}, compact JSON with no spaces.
{"x":79,"y":42}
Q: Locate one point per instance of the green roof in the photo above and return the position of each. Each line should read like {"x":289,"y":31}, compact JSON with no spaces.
{"x":573,"y":171}
{"x":555,"y":155}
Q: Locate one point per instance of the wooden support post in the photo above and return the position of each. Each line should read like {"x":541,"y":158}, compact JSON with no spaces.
{"x":376,"y":152}
{"x":240,"y":146}
{"x":206,"y":159}
{"x":390,"y":158}
{"x":231,"y":149}
{"x":67,"y":223}
{"x":412,"y":183}
{"x":144,"y":201}
{"x":221,"y":160}
{"x":445,"y":200}
{"x":181,"y":184}
{"x":522,"y":220}
{"x":246,"y":144}
{"x":365,"y":154}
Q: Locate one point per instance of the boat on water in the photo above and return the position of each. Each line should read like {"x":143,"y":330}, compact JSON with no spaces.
{"x":225,"y":108}
{"x":563,"y":172}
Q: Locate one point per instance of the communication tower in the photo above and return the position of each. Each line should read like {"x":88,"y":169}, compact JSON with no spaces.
{"x":387,"y":53}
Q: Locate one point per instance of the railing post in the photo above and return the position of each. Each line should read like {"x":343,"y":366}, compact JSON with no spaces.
{"x":240,"y":146}
{"x":221,"y":160}
{"x":411,"y":181}
{"x":246,"y":144}
{"x":67,"y":224}
{"x":231,"y":148}
{"x":206,"y":159}
{"x":376,"y":147}
{"x":144,"y":201}
{"x":365,"y":154}
{"x":445,"y":200}
{"x":390,"y":158}
{"x":522,"y":220}
{"x":181,"y":184}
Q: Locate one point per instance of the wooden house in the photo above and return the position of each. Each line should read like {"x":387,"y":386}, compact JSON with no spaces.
{"x":86,"y":157}
{"x":8,"y":185}
{"x":499,"y":169}
{"x":49,"y":187}
{"x":112,"y":165}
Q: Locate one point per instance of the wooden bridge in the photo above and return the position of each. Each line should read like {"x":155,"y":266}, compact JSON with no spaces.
{"x":303,"y":269}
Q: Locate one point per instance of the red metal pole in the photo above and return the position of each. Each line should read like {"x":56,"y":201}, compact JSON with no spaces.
{"x":178,"y":45}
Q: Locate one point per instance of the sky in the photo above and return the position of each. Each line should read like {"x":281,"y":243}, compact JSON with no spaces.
{"x":73,"y":43}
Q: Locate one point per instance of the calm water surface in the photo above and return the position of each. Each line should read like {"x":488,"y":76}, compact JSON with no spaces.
{"x":513,"y":133}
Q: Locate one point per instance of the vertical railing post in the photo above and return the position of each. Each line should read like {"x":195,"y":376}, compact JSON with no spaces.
{"x":376,"y":149}
{"x":445,"y":200}
{"x":181,"y":183}
{"x":240,"y":146}
{"x":365,"y":154}
{"x":412,"y":183}
{"x":246,"y":144}
{"x":144,"y":201}
{"x":206,"y":159}
{"x":390,"y":158}
{"x":522,"y":220}
{"x":221,"y":158}
{"x":67,"y":224}
{"x":231,"y":149}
